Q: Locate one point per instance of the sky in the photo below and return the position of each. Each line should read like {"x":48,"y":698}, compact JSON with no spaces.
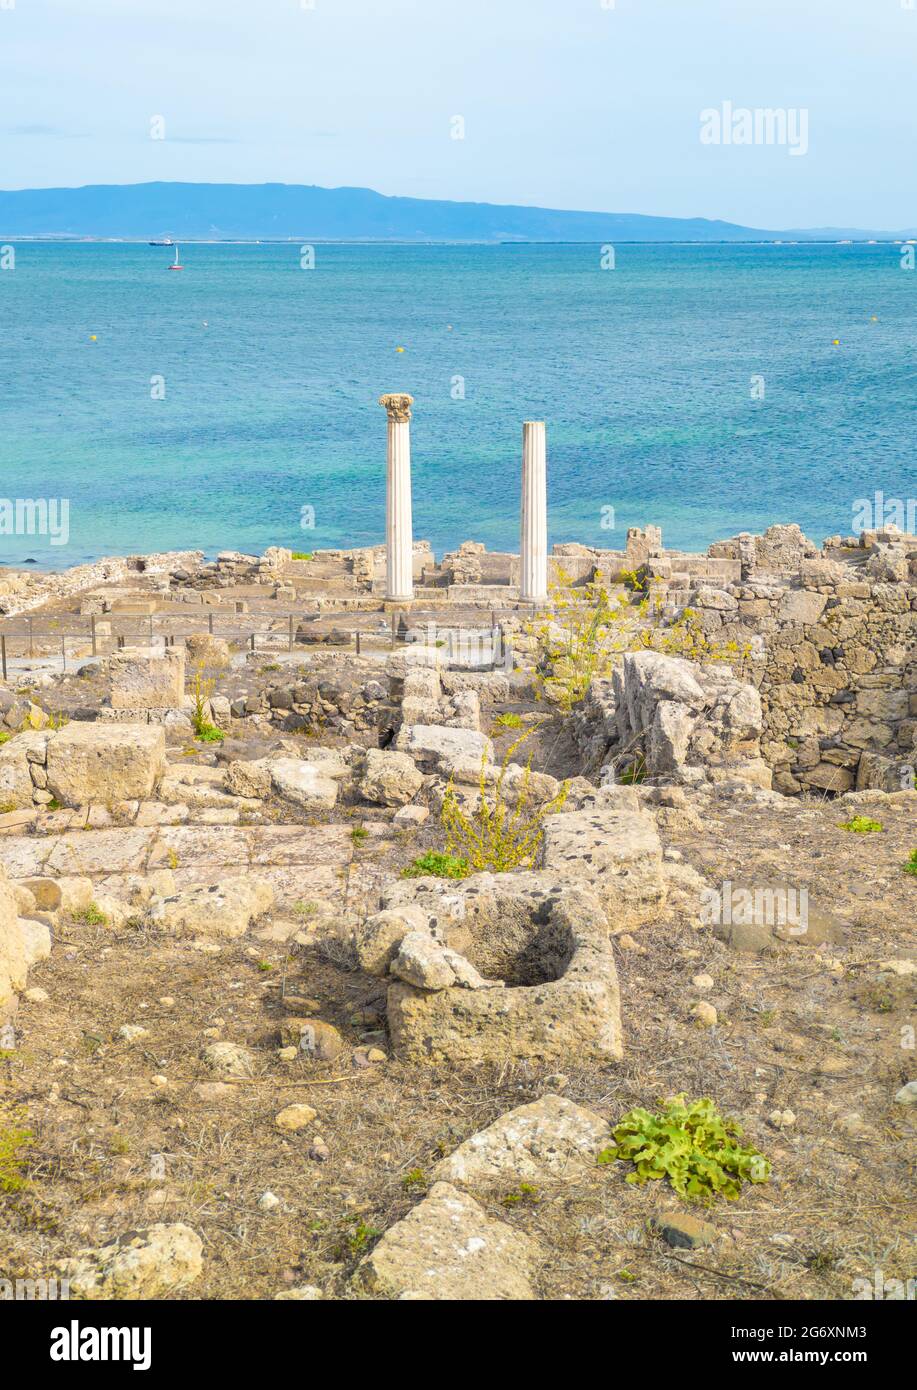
{"x":585,"y":104}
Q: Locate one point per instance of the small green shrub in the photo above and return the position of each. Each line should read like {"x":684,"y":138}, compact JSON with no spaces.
{"x":358,"y":834}
{"x":910,"y":867}
{"x":4,"y":737}
{"x":90,"y":916}
{"x":438,"y":865}
{"x":415,"y":1180}
{"x":508,"y":720}
{"x":689,"y":1143}
{"x":302,"y":554}
{"x":862,"y":825}
{"x":209,"y":733}
{"x":499,"y":834}
{"x":525,"y":1194}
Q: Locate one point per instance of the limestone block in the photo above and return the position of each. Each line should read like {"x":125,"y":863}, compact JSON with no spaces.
{"x":105,"y":763}
{"x":143,"y":678}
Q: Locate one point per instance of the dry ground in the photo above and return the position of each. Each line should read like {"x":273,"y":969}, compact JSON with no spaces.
{"x":820,"y":1031}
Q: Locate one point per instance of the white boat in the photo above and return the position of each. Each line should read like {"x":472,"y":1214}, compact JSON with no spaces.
{"x":176,"y":264}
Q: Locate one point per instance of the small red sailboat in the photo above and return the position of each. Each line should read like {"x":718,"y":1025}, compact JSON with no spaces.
{"x":176,"y":264}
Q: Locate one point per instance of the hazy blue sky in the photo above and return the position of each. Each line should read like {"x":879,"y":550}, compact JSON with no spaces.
{"x":566,"y":103}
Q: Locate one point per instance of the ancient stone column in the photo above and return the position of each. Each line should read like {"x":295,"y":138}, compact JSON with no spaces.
{"x":399,"y":540}
{"x":533,"y":549}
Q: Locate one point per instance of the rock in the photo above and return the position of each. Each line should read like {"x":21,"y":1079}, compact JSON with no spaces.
{"x":907,"y":1095}
{"x":214,"y":1090}
{"x":378,"y":939}
{"x":13,"y":960}
{"x":303,"y":1293}
{"x":313,"y":1036}
{"x":549,"y":1140}
{"x":105,"y":762}
{"x":782,"y":1119}
{"x":303,"y":783}
{"x":36,"y":939}
{"x":702,"y":982}
{"x":555,"y":952}
{"x":294,"y":1117}
{"x":705,"y":1014}
{"x":617,"y":851}
{"x":682,"y":1230}
{"x":389,"y":778}
{"x":268,"y":1201}
{"x":426,"y":963}
{"x":249,"y":778}
{"x":142,"y":678}
{"x":153,"y":1263}
{"x":36,"y":995}
{"x":448,"y":1249}
{"x":232,"y":1059}
{"x":226,"y":909}
{"x":130,"y":1032}
{"x":213,"y":653}
{"x":409,"y":816}
{"x":436,"y":744}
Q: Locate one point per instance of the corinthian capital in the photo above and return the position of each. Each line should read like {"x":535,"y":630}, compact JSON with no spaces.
{"x":398,"y":405}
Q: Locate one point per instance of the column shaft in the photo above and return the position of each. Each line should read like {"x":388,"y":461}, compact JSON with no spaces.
{"x":533,"y":549}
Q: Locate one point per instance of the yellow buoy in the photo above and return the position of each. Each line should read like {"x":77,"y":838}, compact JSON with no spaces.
{"x":835,"y":342}
{"x":93,"y":338}
{"x":399,"y":349}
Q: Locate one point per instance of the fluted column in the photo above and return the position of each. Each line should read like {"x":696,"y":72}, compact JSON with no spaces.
{"x":399,"y":539}
{"x":533,"y":549}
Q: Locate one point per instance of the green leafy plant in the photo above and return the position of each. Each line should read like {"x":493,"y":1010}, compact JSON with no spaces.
{"x":301,"y":554}
{"x":499,"y":833}
{"x":4,"y":737}
{"x":862,"y":825}
{"x":202,"y":687}
{"x":90,"y":916}
{"x":508,"y":720}
{"x":910,"y":866}
{"x":689,"y":1143}
{"x":358,"y":834}
{"x":525,"y":1194}
{"x":414,"y":1180}
{"x":438,"y":865}
{"x":360,"y":1236}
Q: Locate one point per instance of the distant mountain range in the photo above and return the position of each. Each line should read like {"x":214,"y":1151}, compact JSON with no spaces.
{"x":281,"y":211}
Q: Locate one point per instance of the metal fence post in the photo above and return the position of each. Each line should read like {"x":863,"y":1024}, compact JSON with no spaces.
{"x":291,"y":632}
{"x":3,"y":654}
{"x":92,"y":625}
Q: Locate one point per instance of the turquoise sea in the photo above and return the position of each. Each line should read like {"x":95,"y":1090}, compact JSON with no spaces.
{"x":271,"y":374}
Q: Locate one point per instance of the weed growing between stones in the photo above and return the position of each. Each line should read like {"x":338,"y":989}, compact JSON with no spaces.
{"x":862,"y":825}
{"x":202,"y":687}
{"x":586,"y":627}
{"x":689,"y":1143}
{"x":498,"y":835}
{"x":910,"y":867}
{"x":90,"y":916}
{"x":438,"y":866}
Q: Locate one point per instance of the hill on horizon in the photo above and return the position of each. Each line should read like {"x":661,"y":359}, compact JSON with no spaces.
{"x":227,"y":211}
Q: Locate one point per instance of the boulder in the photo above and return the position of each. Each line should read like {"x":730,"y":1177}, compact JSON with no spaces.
{"x":448,"y":1249}
{"x":105,"y":762}
{"x":154,"y":1263}
{"x":389,"y":778}
{"x":550,"y":1140}
{"x":143,"y":678}
{"x":303,"y":783}
{"x":617,"y":851}
{"x":227,"y":908}
{"x":435,"y":744}
{"x":13,"y":961}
